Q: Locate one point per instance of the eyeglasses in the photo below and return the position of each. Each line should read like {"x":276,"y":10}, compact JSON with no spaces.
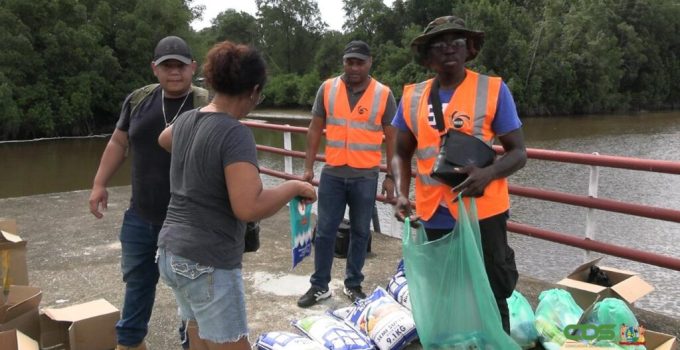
{"x":440,"y":46}
{"x":260,"y":99}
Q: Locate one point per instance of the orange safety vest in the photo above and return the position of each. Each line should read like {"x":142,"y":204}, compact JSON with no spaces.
{"x":354,"y":137}
{"x":471,"y":110}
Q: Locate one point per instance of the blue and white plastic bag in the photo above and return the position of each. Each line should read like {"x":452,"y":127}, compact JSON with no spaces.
{"x":386,"y":322}
{"x":300,"y":229}
{"x":286,"y":341}
{"x":333,"y":333}
{"x":398,"y":287}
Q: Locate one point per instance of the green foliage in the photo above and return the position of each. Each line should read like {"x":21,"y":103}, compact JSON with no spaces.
{"x":328,"y":58}
{"x":308,"y":85}
{"x":291,"y":30}
{"x":282,"y":90}
{"x":66,"y":65}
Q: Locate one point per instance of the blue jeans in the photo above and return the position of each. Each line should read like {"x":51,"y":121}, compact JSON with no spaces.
{"x":334,"y":194}
{"x":138,"y":238}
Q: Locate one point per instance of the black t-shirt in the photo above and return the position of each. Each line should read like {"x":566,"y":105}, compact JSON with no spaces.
{"x":150,"y":162}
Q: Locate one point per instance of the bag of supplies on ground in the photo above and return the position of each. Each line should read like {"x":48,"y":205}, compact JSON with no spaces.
{"x":451,"y":299}
{"x":626,"y":329}
{"x":285,"y":341}
{"x":522,"y":321}
{"x":333,"y":333}
{"x":398,"y":286}
{"x":387,"y":323}
{"x":556,"y":309}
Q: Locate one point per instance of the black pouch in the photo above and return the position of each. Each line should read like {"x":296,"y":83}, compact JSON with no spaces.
{"x":252,"y":237}
{"x":457,"y":149}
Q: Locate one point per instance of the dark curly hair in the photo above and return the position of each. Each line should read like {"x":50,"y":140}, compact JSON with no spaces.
{"x":233,"y":69}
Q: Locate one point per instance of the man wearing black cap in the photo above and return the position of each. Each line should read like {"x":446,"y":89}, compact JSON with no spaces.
{"x":145,"y":113}
{"x":356,"y":110}
{"x":474,"y":104}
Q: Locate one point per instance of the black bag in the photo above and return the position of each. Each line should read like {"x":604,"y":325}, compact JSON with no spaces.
{"x":342,"y":240}
{"x":252,"y":237}
{"x":599,"y":277}
{"x":457,"y":149}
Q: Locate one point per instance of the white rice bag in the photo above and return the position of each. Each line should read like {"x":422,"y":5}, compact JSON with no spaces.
{"x":389,"y":324}
{"x":342,"y":312}
{"x":286,"y":341}
{"x":397,"y":287}
{"x":332,"y":333}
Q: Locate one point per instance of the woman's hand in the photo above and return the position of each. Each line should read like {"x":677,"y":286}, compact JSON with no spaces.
{"x":307,"y":191}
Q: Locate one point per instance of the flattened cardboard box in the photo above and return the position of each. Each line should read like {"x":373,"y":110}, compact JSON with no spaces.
{"x":626,"y":285}
{"x":15,"y":340}
{"x":20,"y":310}
{"x":87,"y":326}
{"x":13,"y":268}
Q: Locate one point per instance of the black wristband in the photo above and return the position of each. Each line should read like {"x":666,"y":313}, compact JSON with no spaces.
{"x":389,"y":176}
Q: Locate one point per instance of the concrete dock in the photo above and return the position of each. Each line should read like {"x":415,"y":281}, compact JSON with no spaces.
{"x":75,"y":258}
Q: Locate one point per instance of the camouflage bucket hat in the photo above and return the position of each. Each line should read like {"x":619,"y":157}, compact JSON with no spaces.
{"x":443,"y":25}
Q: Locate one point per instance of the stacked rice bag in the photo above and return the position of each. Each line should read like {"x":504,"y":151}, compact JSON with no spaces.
{"x":333,"y":333}
{"x":285,"y":341}
{"x":398,"y":286}
{"x":387,"y":323}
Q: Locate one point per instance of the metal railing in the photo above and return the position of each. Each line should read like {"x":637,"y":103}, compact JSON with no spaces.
{"x":590,"y":201}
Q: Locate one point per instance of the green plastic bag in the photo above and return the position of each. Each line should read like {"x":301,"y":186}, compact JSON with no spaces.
{"x":451,"y":299}
{"x":522,"y":327}
{"x":616,"y":312}
{"x":556,"y":309}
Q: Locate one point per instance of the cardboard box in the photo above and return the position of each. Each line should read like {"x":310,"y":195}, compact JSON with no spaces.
{"x":87,"y":326}
{"x":13,"y":270}
{"x":653,"y":341}
{"x":660,"y":341}
{"x":15,"y":340}
{"x":20,"y":310}
{"x":626,"y":285}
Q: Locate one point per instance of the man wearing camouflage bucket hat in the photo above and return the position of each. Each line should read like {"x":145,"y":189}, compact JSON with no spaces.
{"x":477,"y":105}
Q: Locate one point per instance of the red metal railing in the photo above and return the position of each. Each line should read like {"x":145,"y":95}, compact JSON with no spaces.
{"x":553,"y":196}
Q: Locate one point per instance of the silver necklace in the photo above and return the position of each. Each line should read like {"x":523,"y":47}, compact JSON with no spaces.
{"x":165,"y":119}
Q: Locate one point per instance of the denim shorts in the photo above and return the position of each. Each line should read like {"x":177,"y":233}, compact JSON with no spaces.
{"x":214,"y":297}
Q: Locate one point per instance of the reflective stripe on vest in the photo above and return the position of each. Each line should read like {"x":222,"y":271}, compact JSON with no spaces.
{"x":354,"y":137}
{"x":471,"y":109}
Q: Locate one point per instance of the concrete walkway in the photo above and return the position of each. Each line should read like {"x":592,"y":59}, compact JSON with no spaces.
{"x":75,"y":258}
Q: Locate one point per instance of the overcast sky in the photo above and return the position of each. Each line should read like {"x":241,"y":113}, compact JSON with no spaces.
{"x":331,"y":11}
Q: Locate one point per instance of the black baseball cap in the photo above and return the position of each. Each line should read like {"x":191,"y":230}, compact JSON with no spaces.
{"x":357,"y":49}
{"x":172,"y":48}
